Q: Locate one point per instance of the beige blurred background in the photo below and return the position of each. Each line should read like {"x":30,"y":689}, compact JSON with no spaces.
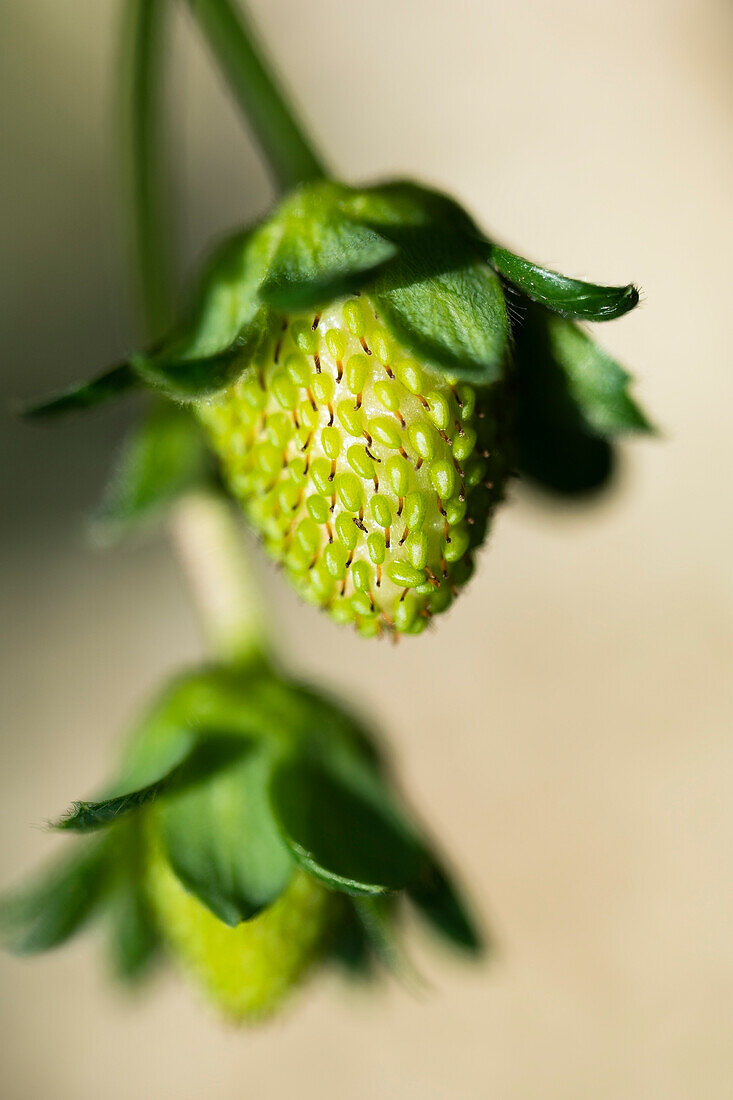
{"x":567,"y":729}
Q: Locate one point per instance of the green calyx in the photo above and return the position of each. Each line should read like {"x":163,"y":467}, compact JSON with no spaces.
{"x":251,"y":827}
{"x":325,"y":353}
{"x":438,"y":285}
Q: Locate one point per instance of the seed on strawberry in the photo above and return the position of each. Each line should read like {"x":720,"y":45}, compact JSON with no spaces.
{"x":359,"y":466}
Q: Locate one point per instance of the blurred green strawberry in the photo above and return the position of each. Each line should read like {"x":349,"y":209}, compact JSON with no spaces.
{"x":252,"y":831}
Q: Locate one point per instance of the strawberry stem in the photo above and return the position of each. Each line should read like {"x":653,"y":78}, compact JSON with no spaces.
{"x":207,"y":543}
{"x":202,"y":528}
{"x":288,"y":151}
{"x":142,"y":102}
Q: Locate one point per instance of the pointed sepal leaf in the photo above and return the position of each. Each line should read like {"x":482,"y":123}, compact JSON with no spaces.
{"x":134,"y":940}
{"x":178,"y":372}
{"x":377,"y":918}
{"x":571,"y":401}
{"x":164,"y":456}
{"x":554,"y":446}
{"x":392,"y":207}
{"x":341,"y":826}
{"x":202,"y":756}
{"x":105,"y":387}
{"x":224,"y":301}
{"x":135,"y":944}
{"x":438,"y":900}
{"x":569,"y":297}
{"x":51,"y":909}
{"x":222,"y":330}
{"x":321,"y":254}
{"x":597,"y":384}
{"x":351,"y":947}
{"x":446,"y":305}
{"x":222,"y":842}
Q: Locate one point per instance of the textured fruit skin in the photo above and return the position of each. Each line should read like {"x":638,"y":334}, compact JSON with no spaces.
{"x":245,"y":971}
{"x":369,"y":476}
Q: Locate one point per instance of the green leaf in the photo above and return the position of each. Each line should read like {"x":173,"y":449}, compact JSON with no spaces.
{"x":135,"y":943}
{"x":106,"y":387}
{"x":57,"y":904}
{"x":183,"y":376}
{"x":202,"y":755}
{"x":446,"y":305}
{"x":554,"y":446}
{"x":351,"y":947}
{"x":342,"y":827}
{"x":245,"y":702}
{"x":569,"y":297}
{"x":401,"y":204}
{"x":441,"y":905}
{"x":134,"y":939}
{"x":222,"y":842}
{"x":225,"y":300}
{"x":571,"y":399}
{"x":163,"y":457}
{"x":224,"y":327}
{"x":596,"y":383}
{"x":377,"y":918}
{"x":321,"y":253}
{"x":438,"y":295}
{"x":334,"y":730}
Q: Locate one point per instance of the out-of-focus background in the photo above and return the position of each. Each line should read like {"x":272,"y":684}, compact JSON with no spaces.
{"x":567,"y":728}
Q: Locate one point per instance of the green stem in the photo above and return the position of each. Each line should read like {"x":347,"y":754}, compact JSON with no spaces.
{"x":203,"y":530}
{"x":290,"y":155}
{"x":142,"y":102}
{"x":206,"y":539}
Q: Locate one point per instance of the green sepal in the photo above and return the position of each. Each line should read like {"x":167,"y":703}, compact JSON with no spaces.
{"x":200,"y":701}
{"x":351,"y":947}
{"x":377,"y":916}
{"x":334,"y":731}
{"x":224,"y":325}
{"x":569,"y":297}
{"x":553,"y":446}
{"x":341,"y":825}
{"x":163,"y":456}
{"x":202,"y":756}
{"x":446,"y":306}
{"x":58,"y":903}
{"x":321,"y":254}
{"x":85,"y":395}
{"x":392,"y":207}
{"x":225,"y":298}
{"x":440,"y":903}
{"x":597,"y":384}
{"x":178,"y":372}
{"x":222,"y":842}
{"x":134,"y":940}
{"x":571,"y":400}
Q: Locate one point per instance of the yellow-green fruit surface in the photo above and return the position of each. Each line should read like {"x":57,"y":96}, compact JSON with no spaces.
{"x":359,"y":467}
{"x":245,"y":971}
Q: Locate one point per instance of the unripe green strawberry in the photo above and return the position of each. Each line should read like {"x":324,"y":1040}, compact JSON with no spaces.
{"x":368,"y":366}
{"x":254,"y":830}
{"x":360,"y":467}
{"x":246,"y":971}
